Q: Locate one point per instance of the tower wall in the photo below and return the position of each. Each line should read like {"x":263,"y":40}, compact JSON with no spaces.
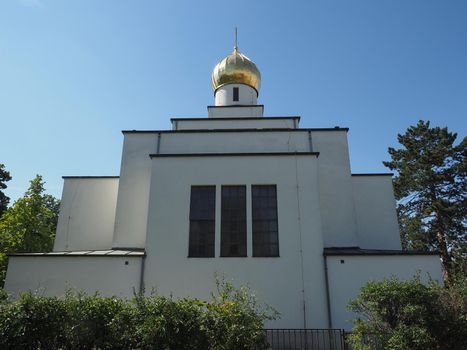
{"x":87,"y":213}
{"x":376,"y":212}
{"x":224,"y":95}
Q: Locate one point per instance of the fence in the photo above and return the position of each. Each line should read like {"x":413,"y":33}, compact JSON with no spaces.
{"x":306,"y":339}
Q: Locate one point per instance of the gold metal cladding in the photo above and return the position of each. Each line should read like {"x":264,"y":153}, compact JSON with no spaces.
{"x":236,"y":69}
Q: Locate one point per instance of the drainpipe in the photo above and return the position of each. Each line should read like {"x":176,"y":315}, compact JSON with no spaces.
{"x":141,"y":276}
{"x":328,"y":299}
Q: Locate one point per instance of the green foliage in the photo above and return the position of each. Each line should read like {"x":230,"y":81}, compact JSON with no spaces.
{"x":4,"y":177}
{"x":431,"y":189}
{"x":29,"y":224}
{"x":236,"y":319}
{"x":172,"y":324}
{"x":232,"y":320}
{"x":410,"y":315}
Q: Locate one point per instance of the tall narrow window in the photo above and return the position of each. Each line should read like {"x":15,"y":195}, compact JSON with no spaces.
{"x":202,"y":220}
{"x":233,"y":223}
{"x":235,"y":93}
{"x":265,"y":227}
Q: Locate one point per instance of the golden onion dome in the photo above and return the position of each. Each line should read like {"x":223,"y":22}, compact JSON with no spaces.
{"x":236,"y":68}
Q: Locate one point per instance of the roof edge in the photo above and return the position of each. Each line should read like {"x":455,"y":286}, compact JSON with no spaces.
{"x":252,"y":154}
{"x":231,"y":130}
{"x":86,"y":253}
{"x":356,"y":251}
{"x":235,"y":118}
{"x":372,"y":174}
{"x":92,"y":177}
{"x":233,"y":106}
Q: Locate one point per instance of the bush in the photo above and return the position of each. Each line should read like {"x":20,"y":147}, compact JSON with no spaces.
{"x":403,"y":315}
{"x":232,"y":320}
{"x":235,"y":319}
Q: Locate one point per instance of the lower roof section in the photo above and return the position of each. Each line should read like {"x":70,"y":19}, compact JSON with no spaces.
{"x":341,"y":251}
{"x":231,"y":130}
{"x":110,"y":253}
{"x":91,"y":177}
{"x":372,"y":174}
{"x":235,"y":118}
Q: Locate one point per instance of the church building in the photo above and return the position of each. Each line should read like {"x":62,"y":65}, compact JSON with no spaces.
{"x":253,"y":198}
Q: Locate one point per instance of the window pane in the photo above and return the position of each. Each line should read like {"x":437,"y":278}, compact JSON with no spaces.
{"x":202,"y":221}
{"x":233,"y":221}
{"x":265,"y":227}
{"x":235,"y":93}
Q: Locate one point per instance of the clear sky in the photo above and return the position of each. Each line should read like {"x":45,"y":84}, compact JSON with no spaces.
{"x":73,"y":74}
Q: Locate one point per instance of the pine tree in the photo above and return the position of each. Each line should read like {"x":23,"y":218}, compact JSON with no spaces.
{"x":431,"y":188}
{"x":4,"y":177}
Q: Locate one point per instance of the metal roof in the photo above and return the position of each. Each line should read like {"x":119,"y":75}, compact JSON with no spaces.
{"x":110,"y":252}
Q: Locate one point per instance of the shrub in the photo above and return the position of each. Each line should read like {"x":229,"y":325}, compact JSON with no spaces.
{"x":233,"y":320}
{"x":403,"y":315}
{"x":172,"y":324}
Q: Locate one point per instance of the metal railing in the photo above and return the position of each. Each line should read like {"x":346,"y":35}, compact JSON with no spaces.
{"x":306,"y":339}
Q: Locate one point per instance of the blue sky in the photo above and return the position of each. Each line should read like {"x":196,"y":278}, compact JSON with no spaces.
{"x":73,"y":74}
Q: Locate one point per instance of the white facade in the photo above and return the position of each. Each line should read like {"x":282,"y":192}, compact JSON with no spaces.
{"x":224,"y":95}
{"x":87,"y":218}
{"x":347,"y":273}
{"x":336,"y":230}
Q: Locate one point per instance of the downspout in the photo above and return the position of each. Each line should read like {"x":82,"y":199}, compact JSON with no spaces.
{"x":302,"y":272}
{"x":141,"y":276}
{"x":328,"y":299}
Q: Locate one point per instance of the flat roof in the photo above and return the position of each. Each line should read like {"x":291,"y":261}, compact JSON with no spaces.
{"x":372,"y":174}
{"x":246,"y":154}
{"x":109,"y":252}
{"x":342,"y":251}
{"x":91,"y":177}
{"x":231,"y":130}
{"x":236,"y":106}
{"x":235,"y":118}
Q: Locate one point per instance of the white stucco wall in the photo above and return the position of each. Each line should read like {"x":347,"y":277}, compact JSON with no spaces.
{"x":276,"y":280}
{"x":246,"y":95}
{"x":133,"y":190}
{"x":52,"y":275}
{"x":335,"y":183}
{"x":336,"y":193}
{"x":87,"y":214}
{"x":243,"y":123}
{"x":235,"y":111}
{"x":346,"y":279}
{"x":376,"y":212}
{"x":232,"y":141}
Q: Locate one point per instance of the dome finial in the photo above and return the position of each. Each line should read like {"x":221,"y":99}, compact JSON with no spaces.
{"x":236,"y":43}
{"x":236,"y":68}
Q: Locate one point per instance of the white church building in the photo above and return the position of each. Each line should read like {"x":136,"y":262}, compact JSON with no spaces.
{"x":255,"y":199}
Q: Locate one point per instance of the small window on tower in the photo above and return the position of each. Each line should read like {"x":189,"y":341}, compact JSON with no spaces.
{"x":235,"y":93}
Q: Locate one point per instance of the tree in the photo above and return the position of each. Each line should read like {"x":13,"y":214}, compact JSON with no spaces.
{"x":4,"y":200}
{"x":29,"y":224}
{"x":410,"y":315}
{"x":431,"y":188}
